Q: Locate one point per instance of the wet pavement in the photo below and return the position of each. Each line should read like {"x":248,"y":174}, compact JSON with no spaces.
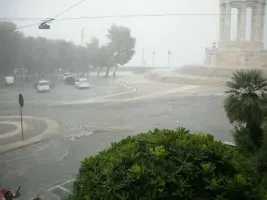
{"x":88,"y":128}
{"x":61,"y":92}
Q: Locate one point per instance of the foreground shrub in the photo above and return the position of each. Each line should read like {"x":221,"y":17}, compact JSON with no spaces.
{"x":166,"y":164}
{"x":243,"y":141}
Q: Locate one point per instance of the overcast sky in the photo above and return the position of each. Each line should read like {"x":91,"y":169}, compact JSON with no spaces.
{"x":186,"y":36}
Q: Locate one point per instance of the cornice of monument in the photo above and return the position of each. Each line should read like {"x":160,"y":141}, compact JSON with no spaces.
{"x":242,"y":1}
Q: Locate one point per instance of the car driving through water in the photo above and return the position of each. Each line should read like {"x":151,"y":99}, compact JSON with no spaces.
{"x":43,"y":86}
{"x":82,"y":83}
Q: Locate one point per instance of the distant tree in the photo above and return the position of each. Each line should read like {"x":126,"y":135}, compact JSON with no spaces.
{"x":105,"y":58}
{"x":42,"y":56}
{"x":8,"y":49}
{"x":92,"y":50}
{"x":121,"y":45}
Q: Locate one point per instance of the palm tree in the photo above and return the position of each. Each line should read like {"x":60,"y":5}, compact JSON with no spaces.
{"x":243,"y":103}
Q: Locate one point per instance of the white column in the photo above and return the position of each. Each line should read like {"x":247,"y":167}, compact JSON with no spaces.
{"x":254,"y":19}
{"x":243,"y":20}
{"x":222,"y":21}
{"x":227,"y":25}
{"x":256,"y":23}
{"x":238,"y":24}
{"x":262,"y":22}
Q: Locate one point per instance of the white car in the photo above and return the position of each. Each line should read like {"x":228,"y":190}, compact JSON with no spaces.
{"x":9,"y":80}
{"x":82,"y":83}
{"x":66,"y":75}
{"x":43,"y":86}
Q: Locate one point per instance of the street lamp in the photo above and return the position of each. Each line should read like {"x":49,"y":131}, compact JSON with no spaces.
{"x":82,"y":36}
{"x":44,"y":25}
{"x":169,"y":53}
{"x":154,"y":53}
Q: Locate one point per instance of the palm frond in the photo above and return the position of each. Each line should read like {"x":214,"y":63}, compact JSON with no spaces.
{"x":243,"y":103}
{"x":251,"y":80}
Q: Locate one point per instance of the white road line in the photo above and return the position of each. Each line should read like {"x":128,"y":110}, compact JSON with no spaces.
{"x":17,"y":131}
{"x":64,"y":155}
{"x":71,"y":180}
{"x":161,"y":93}
{"x":62,"y":188}
{"x":61,"y":184}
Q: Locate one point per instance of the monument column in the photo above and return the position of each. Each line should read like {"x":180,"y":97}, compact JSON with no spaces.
{"x":227,"y":25}
{"x":238,"y":23}
{"x":256,"y":23}
{"x":262,"y":21}
{"x":222,"y":21}
{"x":242,"y":19}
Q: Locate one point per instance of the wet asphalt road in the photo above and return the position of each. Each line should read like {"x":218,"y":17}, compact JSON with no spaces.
{"x":87,"y":129}
{"x":100,"y":86}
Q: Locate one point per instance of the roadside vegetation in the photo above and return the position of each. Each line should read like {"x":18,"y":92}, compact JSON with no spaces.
{"x":167,"y":164}
{"x":42,"y":56}
{"x":177,"y":164}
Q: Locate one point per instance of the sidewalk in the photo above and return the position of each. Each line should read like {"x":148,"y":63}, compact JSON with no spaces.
{"x":172,"y":76}
{"x":35,"y":129}
{"x":148,"y":87}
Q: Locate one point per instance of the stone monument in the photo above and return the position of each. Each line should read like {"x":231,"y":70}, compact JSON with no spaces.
{"x":241,"y":52}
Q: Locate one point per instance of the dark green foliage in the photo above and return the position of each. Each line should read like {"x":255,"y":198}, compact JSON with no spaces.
{"x":166,"y":165}
{"x":244,"y":102}
{"x":243,"y":141}
{"x":260,"y":158}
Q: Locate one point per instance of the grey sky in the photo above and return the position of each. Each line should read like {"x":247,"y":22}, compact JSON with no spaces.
{"x":185,"y":36}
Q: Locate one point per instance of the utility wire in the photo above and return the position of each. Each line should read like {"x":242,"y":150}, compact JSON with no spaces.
{"x":120,"y":16}
{"x":20,"y":27}
{"x":102,"y":17}
{"x":45,"y":20}
{"x":68,"y":9}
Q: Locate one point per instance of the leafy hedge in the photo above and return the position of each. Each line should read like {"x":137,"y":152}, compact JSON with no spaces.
{"x":166,"y":164}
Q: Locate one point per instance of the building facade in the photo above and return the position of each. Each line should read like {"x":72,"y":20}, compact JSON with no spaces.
{"x":241,"y":52}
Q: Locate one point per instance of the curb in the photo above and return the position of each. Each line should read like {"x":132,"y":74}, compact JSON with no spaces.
{"x":174,"y":79}
{"x":52,"y":127}
{"x":129,"y":86}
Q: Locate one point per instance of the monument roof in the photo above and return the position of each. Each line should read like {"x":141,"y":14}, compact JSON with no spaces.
{"x":240,"y":1}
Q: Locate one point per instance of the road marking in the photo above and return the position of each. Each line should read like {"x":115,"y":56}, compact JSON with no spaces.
{"x":11,"y":134}
{"x":147,"y":96}
{"x":52,"y":128}
{"x":64,"y":155}
{"x":61,"y":184}
{"x":62,"y":188}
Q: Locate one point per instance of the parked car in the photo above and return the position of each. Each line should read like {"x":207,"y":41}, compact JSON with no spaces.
{"x":82,"y":83}
{"x":43,"y":86}
{"x":50,"y":83}
{"x":70,"y":80}
{"x":66,"y":75}
{"x":9,"y":80}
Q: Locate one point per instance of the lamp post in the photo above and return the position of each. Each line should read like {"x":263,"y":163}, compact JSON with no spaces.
{"x":82,"y":36}
{"x":169,"y":53}
{"x":153,"y":62}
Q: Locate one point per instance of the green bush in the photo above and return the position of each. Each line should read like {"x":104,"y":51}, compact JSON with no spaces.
{"x":243,"y":141}
{"x":166,"y":164}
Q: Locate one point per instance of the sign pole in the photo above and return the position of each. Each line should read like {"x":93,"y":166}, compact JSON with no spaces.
{"x":21,"y":123}
{"x":21,"y":104}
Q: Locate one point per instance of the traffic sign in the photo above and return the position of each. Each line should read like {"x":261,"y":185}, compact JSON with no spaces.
{"x":21,"y":100}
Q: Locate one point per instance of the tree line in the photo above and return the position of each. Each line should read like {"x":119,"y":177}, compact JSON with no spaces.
{"x":42,"y":56}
